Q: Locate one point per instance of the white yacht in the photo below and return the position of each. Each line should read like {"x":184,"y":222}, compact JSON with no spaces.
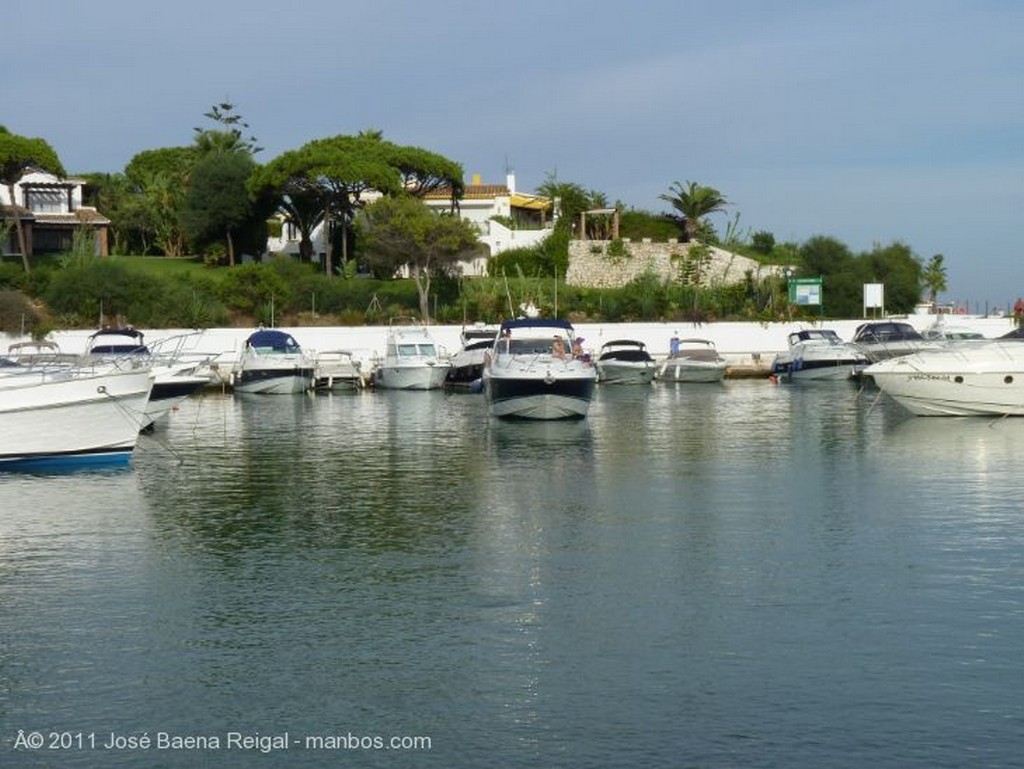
{"x":57,"y":416}
{"x":273,"y":362}
{"x":411,"y":361}
{"x":692,"y":360}
{"x":174,"y":379}
{"x":983,"y":378}
{"x":625,"y":361}
{"x":818,"y":353}
{"x":532,"y":373}
{"x":467,"y":364}
{"x":884,"y":339}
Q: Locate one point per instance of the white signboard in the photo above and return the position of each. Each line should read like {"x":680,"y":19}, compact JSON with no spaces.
{"x":874,"y":296}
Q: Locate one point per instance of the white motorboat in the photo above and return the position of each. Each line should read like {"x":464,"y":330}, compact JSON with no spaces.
{"x":337,"y":370}
{"x":625,"y":361}
{"x":818,"y":354}
{"x":69,"y":416}
{"x":965,"y":379}
{"x":174,"y":380}
{"x":531,"y":372}
{"x":881,"y":340}
{"x":692,"y":360}
{"x":272,"y":362}
{"x":467,"y":364}
{"x":411,"y":361}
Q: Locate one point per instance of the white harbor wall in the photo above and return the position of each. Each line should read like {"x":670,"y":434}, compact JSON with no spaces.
{"x":741,"y":343}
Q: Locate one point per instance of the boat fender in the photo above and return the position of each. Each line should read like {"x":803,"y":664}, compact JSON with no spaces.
{"x":476,"y":386}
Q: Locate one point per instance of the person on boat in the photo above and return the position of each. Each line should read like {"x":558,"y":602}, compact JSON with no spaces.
{"x":577,"y":347}
{"x":673,"y":347}
{"x":558,"y":347}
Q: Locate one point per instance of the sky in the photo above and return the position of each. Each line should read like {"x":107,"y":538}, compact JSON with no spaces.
{"x":871,"y":122}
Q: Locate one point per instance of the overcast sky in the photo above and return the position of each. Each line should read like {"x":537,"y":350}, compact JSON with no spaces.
{"x":868,"y":121}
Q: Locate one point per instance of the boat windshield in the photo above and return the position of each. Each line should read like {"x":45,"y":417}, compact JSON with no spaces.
{"x":412,"y":350}
{"x":526,"y":346}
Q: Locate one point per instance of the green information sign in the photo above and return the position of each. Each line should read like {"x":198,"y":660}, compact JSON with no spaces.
{"x":805,"y":291}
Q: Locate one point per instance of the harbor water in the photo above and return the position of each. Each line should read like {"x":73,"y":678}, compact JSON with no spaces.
{"x":733,"y":575}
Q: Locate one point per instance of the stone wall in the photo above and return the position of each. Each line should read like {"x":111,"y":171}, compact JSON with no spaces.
{"x":590,"y":265}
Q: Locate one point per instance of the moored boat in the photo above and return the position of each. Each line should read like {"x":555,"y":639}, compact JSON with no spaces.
{"x":818,"y":354}
{"x":531,"y":372}
{"x":337,"y":370}
{"x":68,"y":416}
{"x":411,"y":361}
{"x":981,"y":379}
{"x":625,"y":361}
{"x":173,"y":380}
{"x":692,"y":360}
{"x":467,"y":363}
{"x":273,"y":362}
{"x":881,"y":340}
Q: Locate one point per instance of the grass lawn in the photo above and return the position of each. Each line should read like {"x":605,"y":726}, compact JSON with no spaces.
{"x":165,"y":265}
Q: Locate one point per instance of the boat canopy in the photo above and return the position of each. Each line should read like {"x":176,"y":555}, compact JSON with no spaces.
{"x":270,"y":339}
{"x":556,"y":323}
{"x":807,"y":335}
{"x":624,"y":343}
{"x":886,"y":331}
{"x":118,"y":340}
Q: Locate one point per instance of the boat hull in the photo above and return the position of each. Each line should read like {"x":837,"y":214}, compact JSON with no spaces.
{"x":73,"y":420}
{"x":625,"y":372}
{"x":692,"y":371}
{"x":539,"y":398}
{"x":274,"y":380}
{"x":168,"y":393}
{"x":803,"y":370}
{"x":425,"y":377}
{"x":988,"y":382}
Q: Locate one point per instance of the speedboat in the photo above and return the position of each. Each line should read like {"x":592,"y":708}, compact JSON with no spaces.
{"x":531,"y":372}
{"x":625,"y":361}
{"x":174,"y":380}
{"x":337,"y":370}
{"x":983,"y":379}
{"x":272,"y":362}
{"x":693,"y":360}
{"x":818,"y":354}
{"x":880,"y":340}
{"x":411,"y":361}
{"x":467,"y":364}
{"x":67,"y":416}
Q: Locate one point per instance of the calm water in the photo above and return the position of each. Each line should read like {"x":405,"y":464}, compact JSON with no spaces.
{"x":744,"y":575}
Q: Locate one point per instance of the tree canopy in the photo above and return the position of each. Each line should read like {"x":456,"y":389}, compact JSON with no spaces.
{"x":217,"y":202}
{"x":338,"y":171}
{"x":401,"y":231}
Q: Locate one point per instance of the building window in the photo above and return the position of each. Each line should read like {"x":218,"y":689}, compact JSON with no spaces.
{"x":46,"y":201}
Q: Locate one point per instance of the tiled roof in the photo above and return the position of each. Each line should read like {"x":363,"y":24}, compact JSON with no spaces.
{"x":81,"y":216}
{"x":471,"y":192}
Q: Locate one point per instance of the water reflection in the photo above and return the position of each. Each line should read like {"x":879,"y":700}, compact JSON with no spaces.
{"x":714,"y":572}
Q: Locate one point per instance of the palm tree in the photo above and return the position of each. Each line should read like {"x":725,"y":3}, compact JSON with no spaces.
{"x":934,"y":277}
{"x":693,"y":202}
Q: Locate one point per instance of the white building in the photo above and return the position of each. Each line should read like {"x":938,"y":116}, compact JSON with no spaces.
{"x":505,"y":219}
{"x":51,"y":212}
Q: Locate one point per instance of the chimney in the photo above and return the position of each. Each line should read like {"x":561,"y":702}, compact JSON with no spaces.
{"x":510,"y":182}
